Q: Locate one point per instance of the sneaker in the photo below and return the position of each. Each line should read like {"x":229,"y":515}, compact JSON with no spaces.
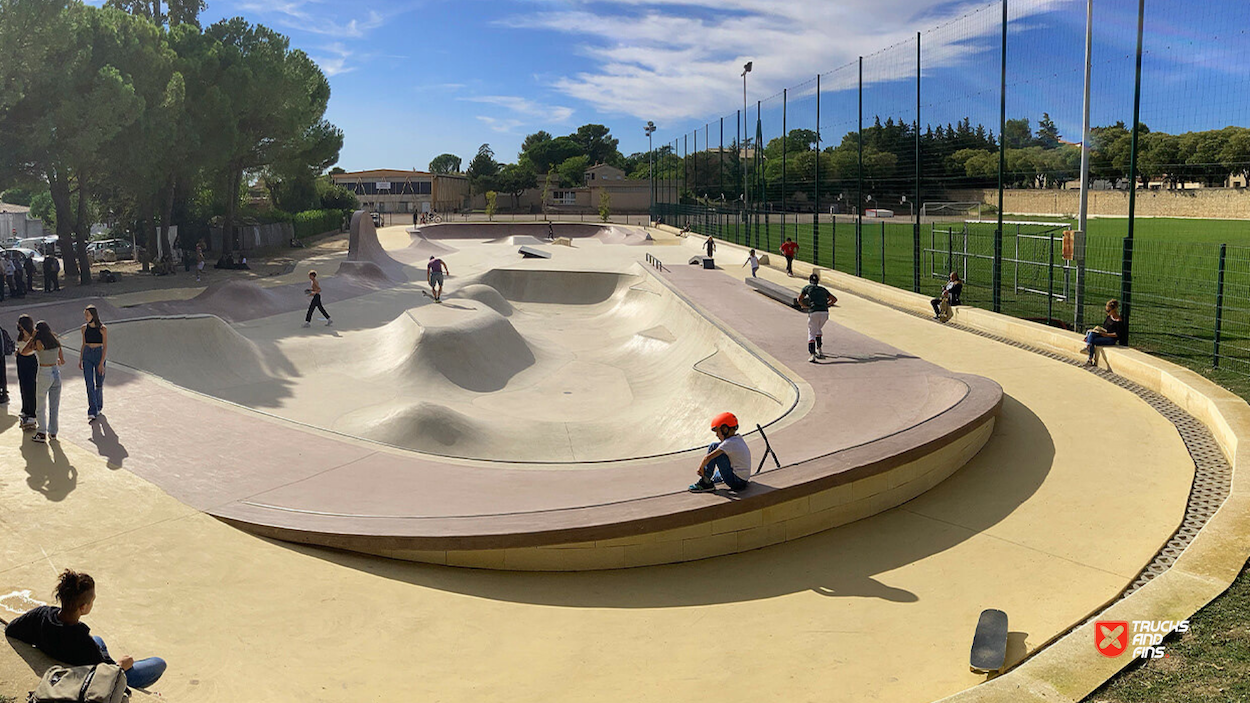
{"x":40,"y":438}
{"x":91,"y":418}
{"x":307,"y":324}
{"x":701,"y":487}
{"x":812,"y":358}
{"x":329,"y":322}
{"x":820,"y":353}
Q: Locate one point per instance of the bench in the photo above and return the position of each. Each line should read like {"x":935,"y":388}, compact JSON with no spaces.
{"x":775,"y":291}
{"x":532,"y":253}
{"x":706,"y":262}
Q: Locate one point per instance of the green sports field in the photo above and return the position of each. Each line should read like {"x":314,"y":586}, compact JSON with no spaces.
{"x":1176,"y":303}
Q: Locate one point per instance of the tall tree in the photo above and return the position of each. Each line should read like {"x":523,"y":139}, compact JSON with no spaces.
{"x":445,"y":163}
{"x":483,"y":170}
{"x":597,"y":144}
{"x":532,"y":140}
{"x":1047,"y":132}
{"x":171,"y":12}
{"x":515,"y":179}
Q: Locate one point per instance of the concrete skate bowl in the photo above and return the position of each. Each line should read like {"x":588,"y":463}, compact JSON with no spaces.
{"x":550,"y":420}
{"x":525,"y":232}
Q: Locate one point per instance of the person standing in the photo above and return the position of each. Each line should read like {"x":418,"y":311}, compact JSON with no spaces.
{"x":30,"y":274}
{"x":710,"y":244}
{"x":48,"y":353}
{"x":789,"y":249}
{"x":434,"y":271}
{"x":19,"y":276}
{"x":10,"y":272}
{"x":728,"y":459}
{"x":7,"y":347}
{"x":27,"y":370}
{"x":754,"y":262}
{"x":95,"y":349}
{"x":315,"y":304}
{"x":50,"y":269}
{"x":816,"y":299}
{"x":199,"y":261}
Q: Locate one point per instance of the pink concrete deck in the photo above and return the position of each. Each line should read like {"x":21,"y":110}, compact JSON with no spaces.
{"x":281,"y":479}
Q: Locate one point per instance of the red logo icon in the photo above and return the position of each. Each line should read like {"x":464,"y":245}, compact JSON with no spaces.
{"x":1111,"y":637}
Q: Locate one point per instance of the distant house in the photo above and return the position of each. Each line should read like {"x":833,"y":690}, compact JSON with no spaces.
{"x":390,"y":190}
{"x":16,"y":223}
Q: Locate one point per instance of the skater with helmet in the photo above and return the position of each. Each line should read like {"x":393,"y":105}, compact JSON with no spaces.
{"x":728,"y":459}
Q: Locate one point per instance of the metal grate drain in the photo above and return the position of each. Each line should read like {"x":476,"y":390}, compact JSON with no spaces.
{"x":1213,"y":475}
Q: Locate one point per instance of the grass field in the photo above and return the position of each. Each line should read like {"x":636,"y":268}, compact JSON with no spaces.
{"x":1176,"y":273}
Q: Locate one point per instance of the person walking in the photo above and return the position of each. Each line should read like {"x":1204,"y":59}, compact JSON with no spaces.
{"x":816,"y":299}
{"x":48,"y":353}
{"x":728,"y":459}
{"x":434,"y":271}
{"x":95,"y":349}
{"x":315,"y":304}
{"x":61,"y":634}
{"x":789,"y":249}
{"x":27,"y":370}
{"x":754,"y":262}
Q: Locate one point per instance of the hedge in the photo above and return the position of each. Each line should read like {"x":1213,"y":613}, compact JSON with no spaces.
{"x":310,"y":223}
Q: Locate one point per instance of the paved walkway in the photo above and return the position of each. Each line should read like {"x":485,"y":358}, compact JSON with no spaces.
{"x":882,"y":608}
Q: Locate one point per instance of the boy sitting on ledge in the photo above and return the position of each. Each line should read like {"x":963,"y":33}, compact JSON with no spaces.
{"x":727,"y":460}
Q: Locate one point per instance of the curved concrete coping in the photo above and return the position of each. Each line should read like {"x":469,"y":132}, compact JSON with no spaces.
{"x":874,"y":429}
{"x":1070,"y":668}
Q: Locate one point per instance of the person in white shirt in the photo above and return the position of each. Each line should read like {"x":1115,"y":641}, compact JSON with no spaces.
{"x":754,"y":262}
{"x":727,"y":460}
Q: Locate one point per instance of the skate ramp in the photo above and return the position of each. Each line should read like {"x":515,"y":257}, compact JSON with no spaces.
{"x":363,"y":246}
{"x":202,"y":352}
{"x":501,"y":232}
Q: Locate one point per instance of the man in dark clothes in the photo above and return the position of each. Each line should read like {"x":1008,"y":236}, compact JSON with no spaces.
{"x":29,"y":265}
{"x":50,"y":269}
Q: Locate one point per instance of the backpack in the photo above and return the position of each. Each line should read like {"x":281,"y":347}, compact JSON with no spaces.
{"x":944,"y":310}
{"x":7,"y":347}
{"x":101,"y":683}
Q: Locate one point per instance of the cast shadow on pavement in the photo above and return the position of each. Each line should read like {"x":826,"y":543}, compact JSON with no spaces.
{"x":843,"y":562}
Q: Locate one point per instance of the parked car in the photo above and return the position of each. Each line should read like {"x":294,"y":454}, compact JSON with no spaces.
{"x":120,"y":248}
{"x":29,"y":253}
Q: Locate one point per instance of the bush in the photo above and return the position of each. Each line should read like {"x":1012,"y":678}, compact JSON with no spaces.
{"x":310,"y":223}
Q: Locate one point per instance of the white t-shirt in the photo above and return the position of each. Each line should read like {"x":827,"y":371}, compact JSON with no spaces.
{"x":739,"y":456}
{"x":753,"y":261}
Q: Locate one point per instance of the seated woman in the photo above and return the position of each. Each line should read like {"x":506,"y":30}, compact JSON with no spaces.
{"x":59,"y":633}
{"x":951,"y":293}
{"x":1111,"y":332}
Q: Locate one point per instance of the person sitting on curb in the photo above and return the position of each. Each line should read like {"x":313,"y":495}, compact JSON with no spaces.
{"x":950,"y":293}
{"x":1109,"y":333}
{"x":60,"y":634}
{"x":728,"y":459}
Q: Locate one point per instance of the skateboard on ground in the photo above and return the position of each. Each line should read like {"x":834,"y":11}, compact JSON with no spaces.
{"x":989,"y":644}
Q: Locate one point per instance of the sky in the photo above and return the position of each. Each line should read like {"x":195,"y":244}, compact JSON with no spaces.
{"x":411,"y":79}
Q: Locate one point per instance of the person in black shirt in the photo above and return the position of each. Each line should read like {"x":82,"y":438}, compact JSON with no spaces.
{"x":1111,"y":332}
{"x":59,"y":632}
{"x":816,"y":299}
{"x":951,"y":293}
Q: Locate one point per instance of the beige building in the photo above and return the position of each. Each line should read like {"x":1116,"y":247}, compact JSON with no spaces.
{"x":390,"y":190}
{"x":625,"y":195}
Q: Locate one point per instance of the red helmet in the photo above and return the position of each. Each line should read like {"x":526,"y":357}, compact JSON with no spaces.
{"x":724,"y":419}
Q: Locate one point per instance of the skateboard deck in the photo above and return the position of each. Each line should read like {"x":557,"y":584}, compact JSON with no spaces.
{"x":989,"y":644}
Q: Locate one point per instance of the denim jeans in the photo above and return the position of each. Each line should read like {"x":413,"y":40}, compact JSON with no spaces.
{"x":1093,"y":339}
{"x":144,"y":673}
{"x":47,"y":399}
{"x":721,"y":470}
{"x":91,"y":362}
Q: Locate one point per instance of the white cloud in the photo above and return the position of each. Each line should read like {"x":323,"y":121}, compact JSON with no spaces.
{"x":336,"y":62}
{"x":655,"y":59}
{"x":520,"y":112}
{"x":297,"y":15}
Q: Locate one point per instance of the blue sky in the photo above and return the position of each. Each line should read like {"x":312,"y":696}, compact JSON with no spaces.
{"x":414,"y":78}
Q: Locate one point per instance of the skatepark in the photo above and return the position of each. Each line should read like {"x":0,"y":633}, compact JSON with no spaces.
{"x":489,"y":491}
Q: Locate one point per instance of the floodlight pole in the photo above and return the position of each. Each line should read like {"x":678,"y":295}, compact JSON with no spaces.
{"x":1126,"y":271}
{"x":650,"y":130}
{"x":1079,"y":245}
{"x":746,"y":197}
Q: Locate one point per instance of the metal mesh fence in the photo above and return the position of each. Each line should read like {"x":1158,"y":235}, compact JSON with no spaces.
{"x":960,"y":150}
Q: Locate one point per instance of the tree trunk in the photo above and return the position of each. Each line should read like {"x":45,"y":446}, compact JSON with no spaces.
{"x":145,"y":238}
{"x":61,"y":201}
{"x":82,"y":229}
{"x":232,"y":202}
{"x":167,"y":215}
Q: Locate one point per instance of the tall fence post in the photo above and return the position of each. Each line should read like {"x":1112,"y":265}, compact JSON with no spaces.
{"x":833,"y":242}
{"x":883,"y":252}
{"x":997,"y":274}
{"x":816,"y":187}
{"x":915,"y":206}
{"x":1126,"y":270}
{"x":784,"y":179}
{"x":859,"y":191}
{"x":1219,"y":308}
{"x":1050,"y":279}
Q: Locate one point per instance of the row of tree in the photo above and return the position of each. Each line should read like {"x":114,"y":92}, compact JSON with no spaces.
{"x":132,"y":111}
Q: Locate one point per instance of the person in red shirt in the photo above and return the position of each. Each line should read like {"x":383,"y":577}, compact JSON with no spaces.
{"x":789,"y":249}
